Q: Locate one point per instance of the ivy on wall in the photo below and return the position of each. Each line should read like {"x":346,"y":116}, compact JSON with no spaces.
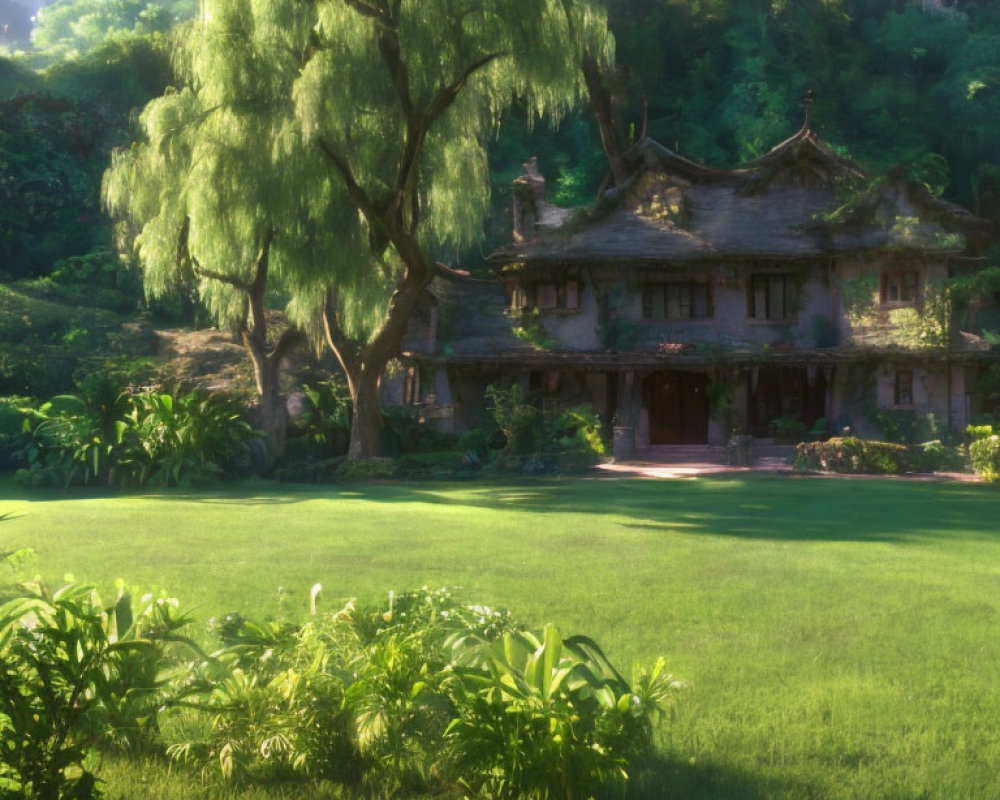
{"x":925,"y":324}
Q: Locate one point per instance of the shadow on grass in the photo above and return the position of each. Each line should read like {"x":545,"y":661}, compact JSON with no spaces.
{"x":753,"y":507}
{"x":763,"y":507}
{"x":666,"y":777}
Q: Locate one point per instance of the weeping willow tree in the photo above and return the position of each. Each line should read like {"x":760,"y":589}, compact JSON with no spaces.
{"x":400,"y":97}
{"x":334,"y":146}
{"x":221,"y":194}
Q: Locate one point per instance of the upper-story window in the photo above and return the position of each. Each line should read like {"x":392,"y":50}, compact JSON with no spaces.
{"x":546,"y":296}
{"x":900,"y":286}
{"x":772,"y":296}
{"x":903,"y":390}
{"x":677,"y":300}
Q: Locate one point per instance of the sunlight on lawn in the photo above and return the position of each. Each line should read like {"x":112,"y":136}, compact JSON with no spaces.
{"x":838,"y":636}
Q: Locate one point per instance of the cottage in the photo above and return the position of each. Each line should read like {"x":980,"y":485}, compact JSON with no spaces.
{"x":789,"y":295}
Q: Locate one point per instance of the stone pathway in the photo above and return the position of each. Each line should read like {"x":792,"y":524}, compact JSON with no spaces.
{"x":651,"y":469}
{"x":692,"y":461}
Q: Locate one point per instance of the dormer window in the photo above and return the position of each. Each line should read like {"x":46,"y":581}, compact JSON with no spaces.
{"x":900,"y":287}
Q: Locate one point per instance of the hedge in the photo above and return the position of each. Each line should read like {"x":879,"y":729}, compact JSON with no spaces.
{"x":854,"y":456}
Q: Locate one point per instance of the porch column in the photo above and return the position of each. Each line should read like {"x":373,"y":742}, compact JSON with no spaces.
{"x":829,"y":373}
{"x":741,"y":401}
{"x":626,"y":415}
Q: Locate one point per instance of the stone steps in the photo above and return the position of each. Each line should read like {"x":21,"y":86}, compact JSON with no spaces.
{"x":767,"y":455}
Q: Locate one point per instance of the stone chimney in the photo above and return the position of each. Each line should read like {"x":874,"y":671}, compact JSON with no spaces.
{"x":529,"y":193}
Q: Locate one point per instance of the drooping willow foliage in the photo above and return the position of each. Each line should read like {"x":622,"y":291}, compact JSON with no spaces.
{"x":271,"y":88}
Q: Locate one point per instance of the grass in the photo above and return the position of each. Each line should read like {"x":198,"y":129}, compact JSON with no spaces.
{"x":839,"y":636}
{"x":25,"y":314}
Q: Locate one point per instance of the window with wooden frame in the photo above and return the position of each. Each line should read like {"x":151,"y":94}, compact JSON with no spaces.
{"x":546,"y":296}
{"x":772,"y":296}
{"x":518,"y":297}
{"x":677,"y":300}
{"x":411,"y":387}
{"x":903,"y":390}
{"x":900,"y":286}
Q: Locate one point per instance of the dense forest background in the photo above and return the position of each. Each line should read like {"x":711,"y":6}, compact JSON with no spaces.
{"x":896,"y":82}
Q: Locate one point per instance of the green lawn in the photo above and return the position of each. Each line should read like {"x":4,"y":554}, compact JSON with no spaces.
{"x":839,"y":636}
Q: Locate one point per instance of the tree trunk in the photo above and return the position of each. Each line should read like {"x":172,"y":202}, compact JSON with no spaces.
{"x":273,"y":423}
{"x":602,"y":103}
{"x":366,"y":421}
{"x":272,"y":414}
{"x":364,"y":365}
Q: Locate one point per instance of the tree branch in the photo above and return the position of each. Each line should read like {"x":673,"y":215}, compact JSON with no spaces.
{"x":186,"y":259}
{"x":290,"y":339}
{"x":232,"y":280}
{"x":416,"y":135}
{"x":343,"y":348}
{"x":357,"y":194}
{"x":601,"y":103}
{"x":385,"y":342}
{"x":449,"y":93}
{"x":367,"y":10}
{"x":259,"y":285}
{"x":373,"y":214}
{"x":257,"y":290}
{"x":399,"y":72}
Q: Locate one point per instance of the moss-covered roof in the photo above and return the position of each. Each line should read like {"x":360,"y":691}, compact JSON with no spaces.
{"x":790,"y":203}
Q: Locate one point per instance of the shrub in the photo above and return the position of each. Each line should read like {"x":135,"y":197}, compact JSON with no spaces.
{"x":422,"y":694}
{"x":68,"y":444}
{"x":850,"y":455}
{"x":481,"y":443}
{"x":541,"y":716}
{"x":577,"y":428}
{"x":975,"y":432}
{"x":178,"y":440}
{"x":404,"y":431}
{"x":365,"y":469}
{"x":309,"y":470}
{"x":504,"y":405}
{"x":72,"y":675}
{"x":526,"y":431}
{"x":529,"y":432}
{"x":122,"y":439}
{"x":12,"y":439}
{"x":448,"y":464}
{"x":569,"y":463}
{"x":935,"y":456}
{"x":898,"y":425}
{"x":326,"y":418}
{"x":984,"y":455}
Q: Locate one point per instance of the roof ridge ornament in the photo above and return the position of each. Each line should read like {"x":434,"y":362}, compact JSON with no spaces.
{"x":807,"y":101}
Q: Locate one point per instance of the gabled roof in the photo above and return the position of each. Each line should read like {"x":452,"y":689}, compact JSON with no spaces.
{"x":803,"y":152}
{"x":473,"y":321}
{"x":785,"y":204}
